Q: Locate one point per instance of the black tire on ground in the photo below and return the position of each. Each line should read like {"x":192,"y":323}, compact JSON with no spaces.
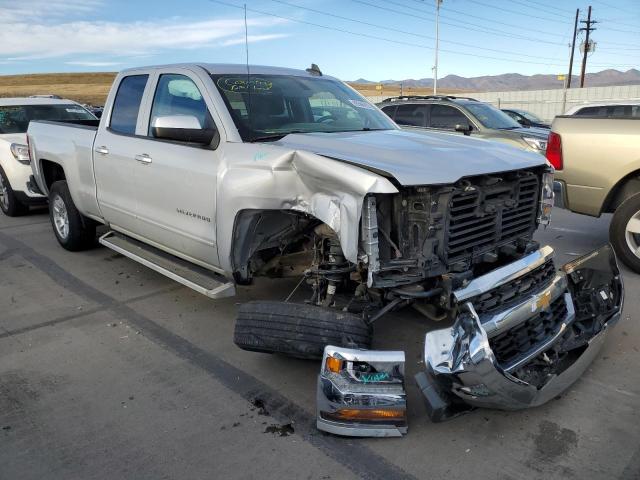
{"x":9,"y":203}
{"x":297,"y":330}
{"x":618,"y":232}
{"x":81,"y":233}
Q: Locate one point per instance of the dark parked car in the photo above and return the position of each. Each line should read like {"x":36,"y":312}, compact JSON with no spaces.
{"x":465,"y":116}
{"x":526,"y":119}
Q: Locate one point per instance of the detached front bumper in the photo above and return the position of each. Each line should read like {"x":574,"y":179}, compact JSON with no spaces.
{"x":519,"y":354}
{"x":523,"y":334}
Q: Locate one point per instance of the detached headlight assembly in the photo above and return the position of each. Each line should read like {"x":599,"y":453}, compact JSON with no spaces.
{"x":546,"y":199}
{"x":21,"y":153}
{"x":536,"y":143}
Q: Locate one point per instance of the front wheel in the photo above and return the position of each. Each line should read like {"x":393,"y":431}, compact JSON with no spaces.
{"x":297,"y":330}
{"x":9,"y":203}
{"x":624,"y":232}
{"x":73,"y":231}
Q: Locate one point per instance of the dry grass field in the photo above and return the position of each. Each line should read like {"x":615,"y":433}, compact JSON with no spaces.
{"x":81,"y":87}
{"x":369,"y":90}
{"x":93,"y":87}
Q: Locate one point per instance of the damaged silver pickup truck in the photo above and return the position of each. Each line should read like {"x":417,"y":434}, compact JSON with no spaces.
{"x":215,"y":174}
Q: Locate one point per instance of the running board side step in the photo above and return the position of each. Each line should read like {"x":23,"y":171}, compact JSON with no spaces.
{"x":201,"y":280}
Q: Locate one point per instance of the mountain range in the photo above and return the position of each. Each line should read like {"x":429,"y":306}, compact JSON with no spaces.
{"x":515,"y":81}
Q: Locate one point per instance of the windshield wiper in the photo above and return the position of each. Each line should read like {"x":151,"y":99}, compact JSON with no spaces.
{"x":273,"y":136}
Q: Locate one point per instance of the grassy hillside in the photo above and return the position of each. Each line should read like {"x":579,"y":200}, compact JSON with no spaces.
{"x":93,"y":87}
{"x":81,"y":87}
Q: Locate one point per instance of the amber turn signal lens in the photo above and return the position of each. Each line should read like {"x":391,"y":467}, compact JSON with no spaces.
{"x":375,"y":414}
{"x":333,"y":364}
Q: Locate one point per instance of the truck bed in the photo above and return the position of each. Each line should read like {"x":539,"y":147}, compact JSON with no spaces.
{"x":597,"y":152}
{"x":70,"y":145}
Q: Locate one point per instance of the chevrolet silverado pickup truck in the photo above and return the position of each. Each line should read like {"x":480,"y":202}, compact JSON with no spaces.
{"x":597,"y":162}
{"x":215,"y":174}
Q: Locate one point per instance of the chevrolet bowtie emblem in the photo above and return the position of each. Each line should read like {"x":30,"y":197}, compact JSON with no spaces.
{"x":542,"y":302}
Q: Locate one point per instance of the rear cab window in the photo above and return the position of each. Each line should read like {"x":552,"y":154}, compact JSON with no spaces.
{"x":126,"y":106}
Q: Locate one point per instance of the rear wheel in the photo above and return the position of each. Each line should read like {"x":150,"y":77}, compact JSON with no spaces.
{"x":9,"y":203}
{"x":297,"y":330}
{"x":624,"y":232}
{"x":73,"y":231}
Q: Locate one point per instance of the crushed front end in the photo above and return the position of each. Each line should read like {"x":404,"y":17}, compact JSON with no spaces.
{"x":523,"y":333}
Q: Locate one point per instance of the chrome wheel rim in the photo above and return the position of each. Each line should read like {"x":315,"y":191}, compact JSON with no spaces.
{"x":60,"y":217}
{"x":632,"y":234}
{"x":4,"y":194}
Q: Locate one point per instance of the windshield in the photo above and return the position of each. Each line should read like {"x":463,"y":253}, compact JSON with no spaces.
{"x":16,"y":118}
{"x":275,"y":105}
{"x":491,"y":117}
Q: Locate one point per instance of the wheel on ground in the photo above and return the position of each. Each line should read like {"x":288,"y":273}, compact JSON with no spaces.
{"x":624,"y":232}
{"x":296,"y":330}
{"x":9,"y":203}
{"x":73,"y":231}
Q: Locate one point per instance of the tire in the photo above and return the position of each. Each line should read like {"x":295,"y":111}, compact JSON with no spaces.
{"x":296,"y":330}
{"x":627,"y":243}
{"x":80,"y":232}
{"x":9,"y":203}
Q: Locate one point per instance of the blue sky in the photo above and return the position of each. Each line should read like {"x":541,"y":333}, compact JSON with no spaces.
{"x":374,"y":39}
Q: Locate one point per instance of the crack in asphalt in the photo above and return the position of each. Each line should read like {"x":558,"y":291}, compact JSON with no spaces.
{"x":355,"y":456}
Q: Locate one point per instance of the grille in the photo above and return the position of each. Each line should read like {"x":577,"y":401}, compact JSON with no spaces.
{"x":511,"y":293}
{"x":513,"y":343}
{"x":486,"y":216}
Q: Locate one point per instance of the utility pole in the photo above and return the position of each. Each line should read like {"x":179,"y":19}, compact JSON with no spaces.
{"x":435,"y":66}
{"x":588,"y":28}
{"x":573,"y":47}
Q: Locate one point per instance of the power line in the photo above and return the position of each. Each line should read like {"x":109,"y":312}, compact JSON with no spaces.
{"x":543,"y":5}
{"x":493,"y":21}
{"x":617,"y":8}
{"x":374,"y":37}
{"x":502,"y":9}
{"x":527,"y":5}
{"x":482,"y":30}
{"x":383,"y":27}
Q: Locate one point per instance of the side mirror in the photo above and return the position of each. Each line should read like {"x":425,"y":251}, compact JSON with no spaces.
{"x":182,"y":128}
{"x":466,"y":129}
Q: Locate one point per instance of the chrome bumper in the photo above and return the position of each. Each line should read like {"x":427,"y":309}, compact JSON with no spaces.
{"x":361,"y":392}
{"x":462,"y":370}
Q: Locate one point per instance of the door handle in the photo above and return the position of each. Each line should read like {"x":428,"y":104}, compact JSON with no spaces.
{"x":143,"y":158}
{"x":102,"y":150}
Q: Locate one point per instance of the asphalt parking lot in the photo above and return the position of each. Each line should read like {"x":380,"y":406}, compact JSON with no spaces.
{"x":109,"y":370}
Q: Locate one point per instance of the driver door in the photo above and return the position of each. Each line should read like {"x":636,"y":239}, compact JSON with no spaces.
{"x":176,"y":180}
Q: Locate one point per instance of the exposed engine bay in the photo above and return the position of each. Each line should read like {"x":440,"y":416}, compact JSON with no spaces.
{"x":514,"y":330}
{"x":416,"y":246}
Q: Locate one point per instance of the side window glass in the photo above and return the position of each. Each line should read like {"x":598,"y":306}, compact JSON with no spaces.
{"x":445,"y":117}
{"x":589,"y":111}
{"x":390,"y":111}
{"x":177,"y":95}
{"x":126,"y":105}
{"x":414,"y":115}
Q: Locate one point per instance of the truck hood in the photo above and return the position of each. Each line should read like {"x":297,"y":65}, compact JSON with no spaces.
{"x":415,"y":158}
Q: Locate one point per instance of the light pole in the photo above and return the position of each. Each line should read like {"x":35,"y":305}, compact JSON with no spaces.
{"x":435,"y":66}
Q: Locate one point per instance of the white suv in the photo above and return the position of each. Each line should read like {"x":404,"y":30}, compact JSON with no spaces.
{"x":617,"y":108}
{"x":17,"y":191}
